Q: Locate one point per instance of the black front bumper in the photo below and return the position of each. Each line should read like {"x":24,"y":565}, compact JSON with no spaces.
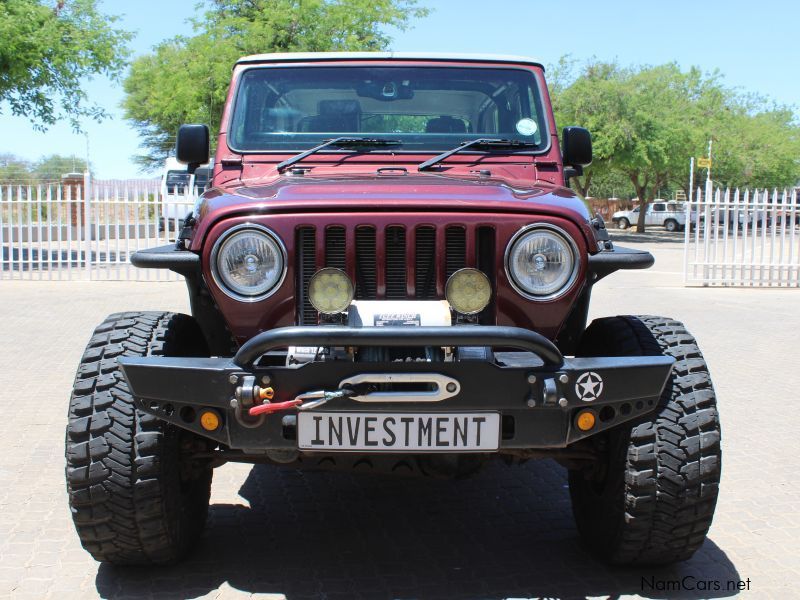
{"x":536,"y":390}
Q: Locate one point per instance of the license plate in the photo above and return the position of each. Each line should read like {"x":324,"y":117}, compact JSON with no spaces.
{"x":399,"y":432}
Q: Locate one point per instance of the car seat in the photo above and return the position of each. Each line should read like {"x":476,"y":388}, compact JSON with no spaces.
{"x":335,"y":116}
{"x":445,"y":124}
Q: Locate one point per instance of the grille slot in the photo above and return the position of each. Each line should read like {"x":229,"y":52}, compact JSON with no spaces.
{"x":366,"y":268}
{"x":485,"y":259}
{"x":335,"y":254}
{"x":306,"y":266}
{"x":396,"y":263}
{"x":455,"y":250}
{"x":425,"y":263}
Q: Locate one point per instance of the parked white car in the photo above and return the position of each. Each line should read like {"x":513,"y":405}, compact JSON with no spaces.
{"x":669,"y":214}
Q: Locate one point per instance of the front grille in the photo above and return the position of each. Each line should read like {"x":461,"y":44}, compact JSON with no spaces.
{"x":354,"y":249}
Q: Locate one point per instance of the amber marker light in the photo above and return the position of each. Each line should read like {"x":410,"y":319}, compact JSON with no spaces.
{"x":586,"y":420}
{"x":209,"y":420}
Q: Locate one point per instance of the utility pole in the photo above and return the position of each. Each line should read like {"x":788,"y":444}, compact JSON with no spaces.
{"x":707,"y":199}
{"x":86,"y":134}
{"x":87,"y":178}
{"x":707,"y":165}
{"x":688,"y":226}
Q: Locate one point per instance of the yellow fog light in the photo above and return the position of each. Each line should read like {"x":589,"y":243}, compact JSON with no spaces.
{"x":209,"y":420}
{"x":330,"y":291}
{"x":468,"y":291}
{"x":586,"y":420}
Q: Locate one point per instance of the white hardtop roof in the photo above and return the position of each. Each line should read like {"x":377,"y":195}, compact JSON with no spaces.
{"x":433,"y":56}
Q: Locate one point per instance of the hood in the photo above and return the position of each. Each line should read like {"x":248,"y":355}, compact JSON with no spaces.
{"x":388,"y":193}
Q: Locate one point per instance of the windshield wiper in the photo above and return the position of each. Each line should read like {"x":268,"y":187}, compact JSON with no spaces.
{"x":340,"y":141}
{"x":479,"y":143}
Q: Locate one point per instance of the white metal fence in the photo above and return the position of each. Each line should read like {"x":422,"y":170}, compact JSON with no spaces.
{"x":743,"y":238}
{"x":86,"y":229}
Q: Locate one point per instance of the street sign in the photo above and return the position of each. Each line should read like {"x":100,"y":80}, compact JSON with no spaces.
{"x":703,"y":163}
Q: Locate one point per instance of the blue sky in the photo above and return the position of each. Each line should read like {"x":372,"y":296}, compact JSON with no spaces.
{"x":754,"y":44}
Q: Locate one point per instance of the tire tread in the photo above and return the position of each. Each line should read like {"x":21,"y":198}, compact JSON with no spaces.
{"x":672,"y":460}
{"x":121,"y":463}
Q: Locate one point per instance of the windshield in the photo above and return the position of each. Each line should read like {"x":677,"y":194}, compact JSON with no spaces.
{"x":425,"y":108}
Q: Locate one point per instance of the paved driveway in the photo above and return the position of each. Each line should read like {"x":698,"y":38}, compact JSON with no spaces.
{"x":505,"y":533}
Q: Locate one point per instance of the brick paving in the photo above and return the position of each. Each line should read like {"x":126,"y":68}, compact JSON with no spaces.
{"x":506,"y":533}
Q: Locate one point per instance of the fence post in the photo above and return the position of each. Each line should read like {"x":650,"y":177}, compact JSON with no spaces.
{"x":708,"y":222}
{"x":686,"y":229}
{"x":794,"y":268}
{"x":88,"y":188}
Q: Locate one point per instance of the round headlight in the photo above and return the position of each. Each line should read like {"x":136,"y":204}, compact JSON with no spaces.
{"x":468,"y":291}
{"x":330,"y":291}
{"x":248,"y":263}
{"x":541,"y":262}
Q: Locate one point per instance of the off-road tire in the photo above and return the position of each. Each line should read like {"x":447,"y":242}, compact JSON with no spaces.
{"x":623,"y":223}
{"x":134,"y":497}
{"x":653,"y":498}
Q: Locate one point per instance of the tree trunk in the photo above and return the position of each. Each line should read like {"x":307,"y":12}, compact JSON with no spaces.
{"x":641,"y":192}
{"x":643,"y":203}
{"x":645,"y":199}
{"x":582,"y":188}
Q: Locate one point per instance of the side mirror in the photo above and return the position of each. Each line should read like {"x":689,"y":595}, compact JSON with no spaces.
{"x":576,"y":147}
{"x":193,"y":146}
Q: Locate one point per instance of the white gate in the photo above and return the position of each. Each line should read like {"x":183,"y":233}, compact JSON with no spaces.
{"x":743,"y":238}
{"x":62,"y":232}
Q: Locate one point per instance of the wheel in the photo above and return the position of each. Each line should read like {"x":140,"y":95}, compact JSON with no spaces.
{"x":134,"y":496}
{"x":671,"y":225}
{"x":623,"y":223}
{"x":650,"y":499}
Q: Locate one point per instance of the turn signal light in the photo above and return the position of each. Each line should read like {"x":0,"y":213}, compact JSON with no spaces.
{"x":586,"y":420}
{"x":209,"y":420}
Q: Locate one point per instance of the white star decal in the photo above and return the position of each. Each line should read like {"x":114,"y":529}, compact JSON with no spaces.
{"x":589,"y":386}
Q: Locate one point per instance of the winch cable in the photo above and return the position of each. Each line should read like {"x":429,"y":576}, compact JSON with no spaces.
{"x":307,"y":400}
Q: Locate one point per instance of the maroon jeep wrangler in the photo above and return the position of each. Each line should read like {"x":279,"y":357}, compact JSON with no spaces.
{"x":389,"y":272}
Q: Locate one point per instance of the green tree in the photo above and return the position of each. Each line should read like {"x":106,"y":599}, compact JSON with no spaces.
{"x":755,"y":146}
{"x":51,"y":168}
{"x":14,"y":169}
{"x":186,"y":79}
{"x":47,"y":49}
{"x":589,"y":101}
{"x":647,"y":122}
{"x":609,"y":183}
